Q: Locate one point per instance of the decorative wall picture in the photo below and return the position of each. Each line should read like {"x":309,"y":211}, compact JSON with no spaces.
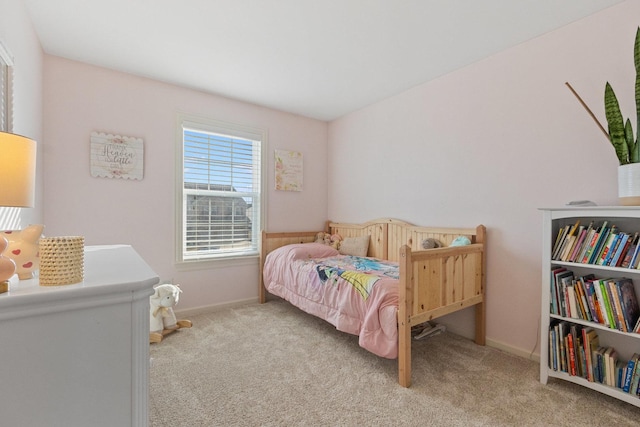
{"x":115,"y":156}
{"x":288,"y":170}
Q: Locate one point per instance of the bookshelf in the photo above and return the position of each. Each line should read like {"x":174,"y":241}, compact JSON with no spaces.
{"x":626,"y":344}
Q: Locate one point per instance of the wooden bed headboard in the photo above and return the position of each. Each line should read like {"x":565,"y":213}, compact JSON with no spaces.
{"x":388,"y":235}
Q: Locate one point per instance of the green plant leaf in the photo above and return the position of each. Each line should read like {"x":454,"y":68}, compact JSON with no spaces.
{"x":616,"y":124}
{"x":634,"y":148}
{"x":636,"y":59}
{"x":636,"y":51}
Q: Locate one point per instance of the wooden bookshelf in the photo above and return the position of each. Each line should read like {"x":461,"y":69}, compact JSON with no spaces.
{"x":626,"y":219}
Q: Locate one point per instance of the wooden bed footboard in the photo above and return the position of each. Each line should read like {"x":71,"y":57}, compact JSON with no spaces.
{"x":433,"y":282}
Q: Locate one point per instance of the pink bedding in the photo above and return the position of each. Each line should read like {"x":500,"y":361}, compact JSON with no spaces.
{"x":357,"y":295}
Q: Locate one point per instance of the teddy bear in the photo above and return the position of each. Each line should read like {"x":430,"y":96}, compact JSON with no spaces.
{"x":324,"y":238}
{"x":162,"y":319}
{"x":335,"y":240}
{"x":332,"y":240}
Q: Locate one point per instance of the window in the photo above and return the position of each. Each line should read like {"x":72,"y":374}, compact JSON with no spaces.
{"x":220,"y":189}
{"x":6,"y":87}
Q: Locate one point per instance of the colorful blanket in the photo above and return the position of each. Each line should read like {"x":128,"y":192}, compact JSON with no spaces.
{"x":355,"y":294}
{"x":361,"y":273}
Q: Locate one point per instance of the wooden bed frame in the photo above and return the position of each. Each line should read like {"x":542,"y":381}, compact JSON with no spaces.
{"x":433,"y":282}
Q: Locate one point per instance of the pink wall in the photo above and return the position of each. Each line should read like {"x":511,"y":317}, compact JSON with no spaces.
{"x":80,"y":99}
{"x":490,"y":144}
{"x":19,"y":38}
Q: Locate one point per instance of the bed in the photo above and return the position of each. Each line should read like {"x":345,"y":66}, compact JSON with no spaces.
{"x":406,"y":287}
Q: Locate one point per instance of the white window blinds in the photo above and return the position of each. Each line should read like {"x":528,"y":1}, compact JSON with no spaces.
{"x":221,"y":192}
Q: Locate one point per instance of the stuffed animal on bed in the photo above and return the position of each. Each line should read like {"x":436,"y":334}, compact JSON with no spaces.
{"x":332,"y":240}
{"x":161,"y":304}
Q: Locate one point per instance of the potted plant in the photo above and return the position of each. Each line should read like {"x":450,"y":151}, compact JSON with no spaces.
{"x":621,"y":135}
{"x":620,"y":132}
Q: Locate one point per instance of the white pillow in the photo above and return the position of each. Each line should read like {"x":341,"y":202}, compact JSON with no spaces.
{"x":356,"y":246}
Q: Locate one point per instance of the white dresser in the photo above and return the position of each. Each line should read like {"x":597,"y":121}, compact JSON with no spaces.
{"x":78,"y":355}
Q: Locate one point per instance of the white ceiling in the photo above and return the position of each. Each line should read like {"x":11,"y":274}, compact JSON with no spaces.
{"x":317,"y":58}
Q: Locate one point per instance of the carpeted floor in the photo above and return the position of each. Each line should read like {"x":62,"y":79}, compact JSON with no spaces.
{"x":272,"y":365}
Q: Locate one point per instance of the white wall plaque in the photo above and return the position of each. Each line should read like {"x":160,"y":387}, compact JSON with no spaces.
{"x":115,"y":156}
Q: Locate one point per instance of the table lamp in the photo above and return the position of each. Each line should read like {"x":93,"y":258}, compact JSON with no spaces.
{"x":17,"y":187}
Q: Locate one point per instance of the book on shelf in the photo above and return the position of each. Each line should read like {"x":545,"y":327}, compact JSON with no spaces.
{"x":581,"y":358}
{"x":561,"y":337}
{"x":592,"y":299}
{"x":636,"y":328}
{"x":620,"y":369}
{"x":625,"y":250}
{"x":635,"y":379}
{"x":552,"y":361}
{"x":590,"y":341}
{"x":629,"y":303}
{"x":571,"y":354}
{"x":607,"y":246}
{"x":601,"y":294}
{"x":610,"y":358}
{"x":574,"y":238}
{"x":628,"y":256}
{"x":558,"y":354}
{"x":582,"y":370}
{"x":595,"y":238}
{"x":562,"y":278}
{"x":616,"y":308}
{"x":599,"y":365}
{"x":571,"y":240}
{"x":628,"y":376}
{"x":582,"y":299}
{"x":586,"y":244}
{"x":573,"y":311}
{"x":602,"y":238}
{"x":555,"y":301}
{"x":621,"y":246}
{"x":636,"y":256}
{"x":562,"y":232}
{"x":560,"y":242}
{"x":582,"y":233}
{"x":566,"y":240}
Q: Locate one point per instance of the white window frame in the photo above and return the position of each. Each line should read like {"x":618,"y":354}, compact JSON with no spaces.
{"x":6,"y":89}
{"x":207,"y":125}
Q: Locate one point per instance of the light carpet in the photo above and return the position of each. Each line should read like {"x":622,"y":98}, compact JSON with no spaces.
{"x":272,"y":365}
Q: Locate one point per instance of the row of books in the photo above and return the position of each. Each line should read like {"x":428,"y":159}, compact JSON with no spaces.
{"x":602,"y":245}
{"x":609,"y":301}
{"x":576,"y":350}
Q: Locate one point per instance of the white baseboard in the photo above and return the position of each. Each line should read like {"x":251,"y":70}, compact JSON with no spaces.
{"x":513,"y":350}
{"x":215,"y":307}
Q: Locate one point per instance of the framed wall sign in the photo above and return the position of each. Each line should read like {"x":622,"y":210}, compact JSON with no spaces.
{"x":115,"y":156}
{"x":288,"y":170}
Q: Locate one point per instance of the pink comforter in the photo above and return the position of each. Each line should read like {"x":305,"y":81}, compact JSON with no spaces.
{"x":357,"y":295}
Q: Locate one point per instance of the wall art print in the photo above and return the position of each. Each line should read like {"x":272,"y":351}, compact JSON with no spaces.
{"x":115,"y":156}
{"x":288,"y":170}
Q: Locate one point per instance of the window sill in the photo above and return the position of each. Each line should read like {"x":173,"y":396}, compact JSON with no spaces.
{"x":223,"y":262}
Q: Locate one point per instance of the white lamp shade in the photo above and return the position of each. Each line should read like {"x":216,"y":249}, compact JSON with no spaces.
{"x":17,"y":170}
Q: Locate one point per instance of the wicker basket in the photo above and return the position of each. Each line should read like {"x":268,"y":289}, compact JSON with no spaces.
{"x":61,"y":260}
